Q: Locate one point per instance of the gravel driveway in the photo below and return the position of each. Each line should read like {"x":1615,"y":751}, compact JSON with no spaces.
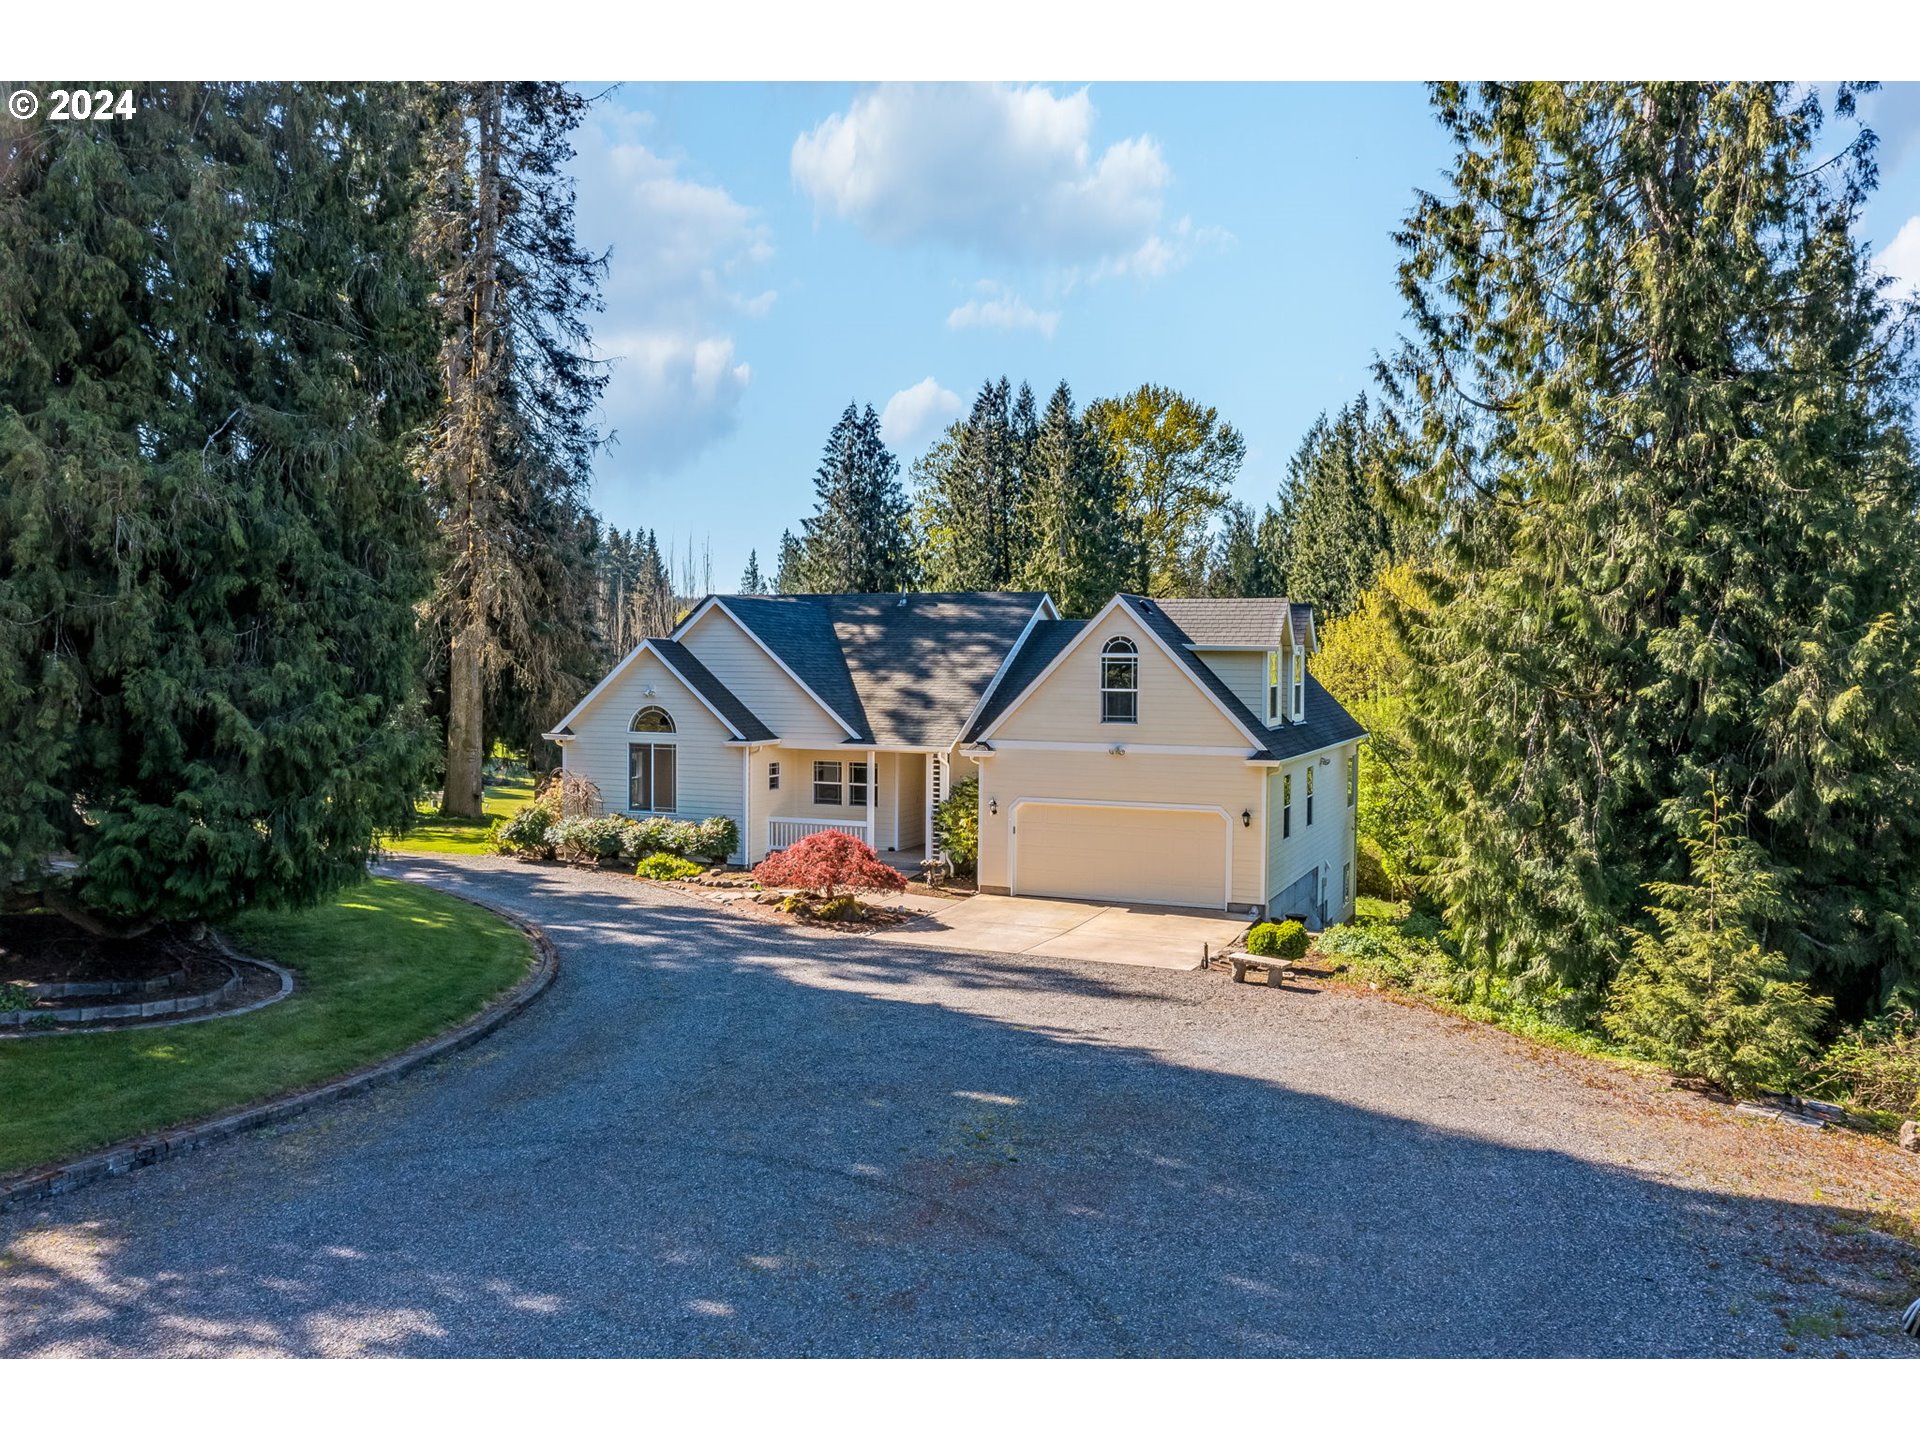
{"x":720,"y":1137}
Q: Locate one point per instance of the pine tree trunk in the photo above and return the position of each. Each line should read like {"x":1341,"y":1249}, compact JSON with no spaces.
{"x":466,"y":667}
{"x":466,"y":728}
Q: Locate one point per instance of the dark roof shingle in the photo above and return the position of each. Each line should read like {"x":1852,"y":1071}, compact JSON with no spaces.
{"x":920,"y":662}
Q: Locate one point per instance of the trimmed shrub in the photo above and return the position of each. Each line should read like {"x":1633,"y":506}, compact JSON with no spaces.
{"x":1284,"y":941}
{"x":827,"y":863}
{"x":663,"y":866}
{"x":525,"y":833}
{"x":588,"y":839}
{"x":956,"y":826}
{"x":714,"y":838}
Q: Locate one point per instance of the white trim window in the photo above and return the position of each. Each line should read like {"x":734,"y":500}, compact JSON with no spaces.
{"x":653,"y":764}
{"x":1299,"y":685}
{"x":1119,"y":682}
{"x":826,"y":782}
{"x":857,"y":783}
{"x":1310,"y":804}
{"x":1286,"y":806}
{"x":1273,"y":687}
{"x":1353,"y":778}
{"x":773,"y":775}
{"x":1346,"y":882}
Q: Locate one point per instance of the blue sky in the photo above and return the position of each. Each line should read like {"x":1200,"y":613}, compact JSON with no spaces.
{"x":779,"y":250}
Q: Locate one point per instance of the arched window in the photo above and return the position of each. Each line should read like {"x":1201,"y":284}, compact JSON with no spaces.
{"x":1119,"y":682}
{"x":653,"y":766}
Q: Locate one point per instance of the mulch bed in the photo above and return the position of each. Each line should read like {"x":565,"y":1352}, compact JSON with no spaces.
{"x":43,"y":948}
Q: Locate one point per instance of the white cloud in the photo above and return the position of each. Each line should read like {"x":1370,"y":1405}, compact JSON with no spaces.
{"x":684,"y":262}
{"x":1901,"y":258}
{"x":997,"y":308}
{"x":671,"y":395}
{"x":914,"y":414}
{"x":1009,"y":171}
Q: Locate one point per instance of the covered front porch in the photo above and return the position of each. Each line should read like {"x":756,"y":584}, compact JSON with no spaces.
{"x":884,"y":798}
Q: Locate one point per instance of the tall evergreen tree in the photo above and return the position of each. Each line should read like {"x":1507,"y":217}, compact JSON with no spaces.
{"x":789,"y":576}
{"x":507,"y":463}
{"x":969,"y":489}
{"x":1662,"y":405}
{"x":1240,"y":564}
{"x":1077,"y":546}
{"x":212,"y":364}
{"x":752,"y":582}
{"x":1340,"y":536}
{"x":858,"y":538}
{"x":1177,"y":460}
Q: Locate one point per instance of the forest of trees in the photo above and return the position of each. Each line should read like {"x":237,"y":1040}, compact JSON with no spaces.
{"x":1616,"y":560}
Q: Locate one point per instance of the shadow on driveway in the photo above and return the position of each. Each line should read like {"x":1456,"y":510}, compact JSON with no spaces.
{"x":718,"y":1137}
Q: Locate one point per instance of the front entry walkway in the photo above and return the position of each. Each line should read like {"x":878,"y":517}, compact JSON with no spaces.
{"x":1154,"y":935}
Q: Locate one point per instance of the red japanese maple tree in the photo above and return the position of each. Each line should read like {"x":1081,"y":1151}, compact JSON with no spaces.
{"x":826,"y":863}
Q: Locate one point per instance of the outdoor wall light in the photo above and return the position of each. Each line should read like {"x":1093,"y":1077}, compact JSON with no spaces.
{"x":1246,"y":818}
{"x":993,"y":805}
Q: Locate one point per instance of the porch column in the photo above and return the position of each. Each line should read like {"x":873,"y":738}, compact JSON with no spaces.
{"x":873,"y":815}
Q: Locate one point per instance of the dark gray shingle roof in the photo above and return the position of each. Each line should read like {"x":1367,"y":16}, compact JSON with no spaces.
{"x":920,"y":662}
{"x":796,"y":628}
{"x":746,"y":725}
{"x":1046,"y":640}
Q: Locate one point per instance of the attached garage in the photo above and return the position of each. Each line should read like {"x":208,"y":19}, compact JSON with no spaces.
{"x":1144,"y":854}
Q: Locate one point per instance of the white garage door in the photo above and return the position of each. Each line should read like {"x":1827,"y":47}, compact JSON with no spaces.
{"x":1104,"y":852}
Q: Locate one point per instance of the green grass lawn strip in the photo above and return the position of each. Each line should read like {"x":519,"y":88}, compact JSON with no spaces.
{"x":381,"y":967}
{"x":437,"y":834}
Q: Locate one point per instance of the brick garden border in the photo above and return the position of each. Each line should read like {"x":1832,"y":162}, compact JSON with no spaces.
{"x":44,"y":1184}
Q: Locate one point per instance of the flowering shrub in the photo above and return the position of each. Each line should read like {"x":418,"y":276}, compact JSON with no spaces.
{"x":828,"y":863}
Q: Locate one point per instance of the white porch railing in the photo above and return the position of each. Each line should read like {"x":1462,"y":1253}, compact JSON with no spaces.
{"x":782,"y":833}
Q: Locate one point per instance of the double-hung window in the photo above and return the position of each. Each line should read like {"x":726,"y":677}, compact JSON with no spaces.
{"x":1273,"y":687}
{"x":826,"y":782}
{"x":1309,"y":794}
{"x":1299,"y":684}
{"x":1353,"y":777}
{"x":1346,"y":882}
{"x":653,"y":771}
{"x":1119,"y":682}
{"x":857,"y":783}
{"x":1286,"y":806}
{"x":773,"y":775}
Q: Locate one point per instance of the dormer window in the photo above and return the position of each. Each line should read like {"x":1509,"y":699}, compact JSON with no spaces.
{"x":1299,"y":685}
{"x":1273,"y":687}
{"x":1119,"y":682}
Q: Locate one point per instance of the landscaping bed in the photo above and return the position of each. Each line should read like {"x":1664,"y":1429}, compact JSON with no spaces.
{"x":381,"y":967}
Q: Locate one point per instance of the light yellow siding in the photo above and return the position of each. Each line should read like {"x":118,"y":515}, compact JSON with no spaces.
{"x":761,"y":685}
{"x":1220,"y":782}
{"x":1174,"y":710}
{"x":708,"y":770}
{"x":1328,"y":843}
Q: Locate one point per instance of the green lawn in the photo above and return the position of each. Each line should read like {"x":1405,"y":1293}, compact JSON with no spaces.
{"x":436,"y":833}
{"x":382,"y":966}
